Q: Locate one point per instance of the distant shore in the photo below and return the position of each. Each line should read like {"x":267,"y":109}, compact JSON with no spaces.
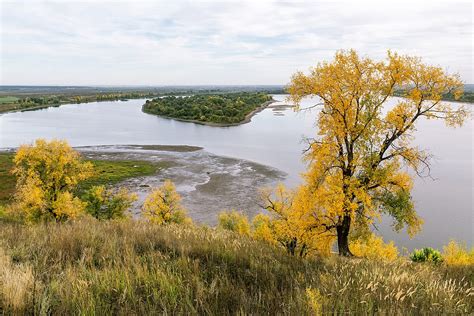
{"x":247,"y":118}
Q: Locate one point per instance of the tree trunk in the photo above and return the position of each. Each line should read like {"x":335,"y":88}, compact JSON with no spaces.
{"x":343,"y":236}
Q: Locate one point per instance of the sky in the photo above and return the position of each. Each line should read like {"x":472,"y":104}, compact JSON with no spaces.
{"x":219,"y":42}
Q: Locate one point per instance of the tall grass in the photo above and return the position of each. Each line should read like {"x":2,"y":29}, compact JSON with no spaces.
{"x":131,"y":267}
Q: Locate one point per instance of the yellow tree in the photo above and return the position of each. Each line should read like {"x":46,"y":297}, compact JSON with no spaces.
{"x":291,"y":222}
{"x":47,"y":172}
{"x":162,"y":206}
{"x":357,"y":160}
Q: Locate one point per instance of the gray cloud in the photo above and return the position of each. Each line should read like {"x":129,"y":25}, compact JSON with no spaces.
{"x":241,"y":42}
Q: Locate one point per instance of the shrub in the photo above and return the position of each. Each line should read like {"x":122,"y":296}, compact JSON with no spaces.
{"x":263,"y":228}
{"x":234,"y":221}
{"x":162,"y":206}
{"x":374,"y":248}
{"x":426,"y":254}
{"x":103,"y":203}
{"x":457,"y":254}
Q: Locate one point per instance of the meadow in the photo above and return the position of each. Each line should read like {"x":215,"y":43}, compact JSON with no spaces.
{"x":134,"y":267}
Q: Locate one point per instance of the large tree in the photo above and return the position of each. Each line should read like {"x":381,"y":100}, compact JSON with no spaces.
{"x":357,"y":163}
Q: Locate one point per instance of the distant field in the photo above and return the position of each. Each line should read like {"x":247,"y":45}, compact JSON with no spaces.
{"x":8,"y":99}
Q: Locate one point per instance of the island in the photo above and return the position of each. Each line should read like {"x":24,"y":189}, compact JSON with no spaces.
{"x":225,"y":109}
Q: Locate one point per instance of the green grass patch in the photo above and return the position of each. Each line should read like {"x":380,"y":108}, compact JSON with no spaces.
{"x":107,"y":172}
{"x":8,"y":99}
{"x":7,"y":180}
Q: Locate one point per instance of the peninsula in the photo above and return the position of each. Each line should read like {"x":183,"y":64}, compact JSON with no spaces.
{"x":226,"y":109}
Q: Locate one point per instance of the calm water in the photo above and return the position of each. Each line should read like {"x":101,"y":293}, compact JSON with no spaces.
{"x":273,"y":138}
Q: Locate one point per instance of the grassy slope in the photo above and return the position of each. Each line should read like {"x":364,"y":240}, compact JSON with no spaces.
{"x":106,"y":172}
{"x":128,"y":267}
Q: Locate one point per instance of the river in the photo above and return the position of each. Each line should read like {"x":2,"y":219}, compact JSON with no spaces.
{"x":273,"y":137}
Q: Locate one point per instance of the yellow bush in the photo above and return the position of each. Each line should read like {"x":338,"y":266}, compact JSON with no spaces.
{"x":234,"y":221}
{"x":457,"y":254}
{"x":374,"y":248}
{"x":163,"y":206}
{"x":263,"y":228}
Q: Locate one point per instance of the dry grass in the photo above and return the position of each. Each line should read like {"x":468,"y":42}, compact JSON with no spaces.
{"x":130,"y":267}
{"x":16,"y":284}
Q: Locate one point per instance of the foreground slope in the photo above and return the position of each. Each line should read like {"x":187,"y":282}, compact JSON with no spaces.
{"x":132,"y":267}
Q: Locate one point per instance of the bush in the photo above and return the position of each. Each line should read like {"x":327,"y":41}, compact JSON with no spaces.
{"x":457,"y":254}
{"x":427,"y":254}
{"x":163,"y":206}
{"x":103,"y":203}
{"x":234,"y":221}
{"x":374,"y":248}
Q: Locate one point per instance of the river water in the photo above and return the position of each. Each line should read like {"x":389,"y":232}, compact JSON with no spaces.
{"x":273,"y":137}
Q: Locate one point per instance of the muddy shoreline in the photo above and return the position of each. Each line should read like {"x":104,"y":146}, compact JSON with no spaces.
{"x":208,"y":183}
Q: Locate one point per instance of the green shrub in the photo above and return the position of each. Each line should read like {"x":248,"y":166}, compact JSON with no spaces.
{"x":234,"y":221}
{"x":103,"y":203}
{"x":426,"y":254}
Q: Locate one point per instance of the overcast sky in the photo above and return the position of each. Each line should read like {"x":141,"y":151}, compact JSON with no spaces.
{"x":216,"y":42}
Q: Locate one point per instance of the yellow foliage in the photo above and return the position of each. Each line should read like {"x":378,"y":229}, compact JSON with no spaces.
{"x":47,"y":172}
{"x":263,"y":228}
{"x":315,"y":301}
{"x":234,"y":221}
{"x":374,"y":248}
{"x":292,"y":222}
{"x":356,"y":161}
{"x":457,"y":254}
{"x":162,"y":206}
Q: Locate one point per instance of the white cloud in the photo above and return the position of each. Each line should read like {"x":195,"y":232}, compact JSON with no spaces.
{"x":241,"y":42}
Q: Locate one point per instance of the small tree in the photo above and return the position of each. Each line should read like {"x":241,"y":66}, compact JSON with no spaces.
{"x":47,"y":173}
{"x":162,"y":206}
{"x":104,"y":203}
{"x":298,"y":231}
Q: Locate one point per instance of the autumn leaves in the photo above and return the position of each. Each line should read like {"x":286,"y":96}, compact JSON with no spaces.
{"x":48,"y":174}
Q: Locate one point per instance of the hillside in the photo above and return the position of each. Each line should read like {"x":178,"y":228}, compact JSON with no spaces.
{"x":128,"y":267}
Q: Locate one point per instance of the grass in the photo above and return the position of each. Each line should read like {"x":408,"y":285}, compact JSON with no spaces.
{"x":8,"y":99}
{"x":132,"y":267}
{"x":107,"y":172}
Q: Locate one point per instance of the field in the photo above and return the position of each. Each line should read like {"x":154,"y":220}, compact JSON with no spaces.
{"x":8,"y":99}
{"x":135,"y":268}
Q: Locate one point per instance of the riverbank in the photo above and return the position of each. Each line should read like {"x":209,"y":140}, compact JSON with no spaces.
{"x":247,"y":119}
{"x":207,"y":183}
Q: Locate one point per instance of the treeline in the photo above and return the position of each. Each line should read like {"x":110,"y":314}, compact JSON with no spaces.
{"x":467,"y":96}
{"x":41,"y":101}
{"x":215,"y":108}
